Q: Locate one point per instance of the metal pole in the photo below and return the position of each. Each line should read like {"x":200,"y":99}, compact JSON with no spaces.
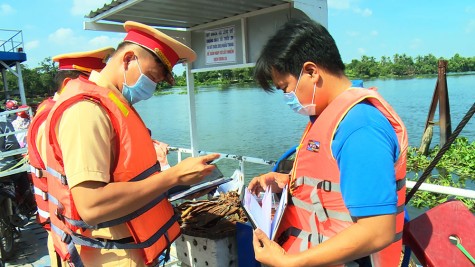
{"x":21,"y":87}
{"x":244,"y":39}
{"x":190,"y":82}
{"x":433,"y":106}
{"x":444,"y":108}
{"x":5,"y":84}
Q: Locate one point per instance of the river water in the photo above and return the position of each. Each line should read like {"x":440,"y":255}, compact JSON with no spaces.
{"x":245,"y":120}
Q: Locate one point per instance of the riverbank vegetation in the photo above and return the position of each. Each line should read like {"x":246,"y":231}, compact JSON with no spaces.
{"x":405,"y":66}
{"x":400,"y":65}
{"x":455,"y":169}
{"x":39,"y":84}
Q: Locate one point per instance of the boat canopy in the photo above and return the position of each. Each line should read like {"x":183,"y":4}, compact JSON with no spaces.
{"x":225,"y":34}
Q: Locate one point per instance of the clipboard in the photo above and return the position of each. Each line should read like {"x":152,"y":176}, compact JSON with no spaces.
{"x":214,"y":179}
{"x":250,"y":218}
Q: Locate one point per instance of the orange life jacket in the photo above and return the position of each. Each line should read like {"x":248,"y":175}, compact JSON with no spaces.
{"x":317,"y":211}
{"x":154,"y":226}
{"x":37,"y":165}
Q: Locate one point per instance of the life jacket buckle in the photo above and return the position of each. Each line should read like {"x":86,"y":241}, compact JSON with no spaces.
{"x":38,"y":173}
{"x":326,"y":186}
{"x":283,"y":237}
{"x":66,"y":238}
{"x":44,"y":195}
{"x":64,"y":181}
{"x":59,"y":212}
{"x":59,"y":215}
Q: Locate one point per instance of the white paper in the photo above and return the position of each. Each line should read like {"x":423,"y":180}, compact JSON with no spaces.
{"x":261,"y":216}
{"x":279,"y":212}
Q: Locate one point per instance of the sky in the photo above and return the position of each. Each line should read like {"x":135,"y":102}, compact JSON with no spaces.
{"x":359,"y":27}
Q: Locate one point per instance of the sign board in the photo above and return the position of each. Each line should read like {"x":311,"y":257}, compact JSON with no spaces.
{"x":220,"y":45}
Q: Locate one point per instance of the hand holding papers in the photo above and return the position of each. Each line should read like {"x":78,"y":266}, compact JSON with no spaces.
{"x":260,"y":216}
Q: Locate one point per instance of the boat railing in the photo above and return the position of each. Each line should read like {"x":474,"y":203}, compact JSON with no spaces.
{"x":22,"y":164}
{"x":433,"y":188}
{"x":446,"y":190}
{"x":240,"y":159}
{"x":14,"y":43}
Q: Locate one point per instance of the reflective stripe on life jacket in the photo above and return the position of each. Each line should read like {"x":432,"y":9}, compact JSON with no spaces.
{"x":152,"y":227}
{"x":317,"y":211}
{"x":37,"y":166}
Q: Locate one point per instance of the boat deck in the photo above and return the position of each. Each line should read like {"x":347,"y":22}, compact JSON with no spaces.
{"x":30,"y":247}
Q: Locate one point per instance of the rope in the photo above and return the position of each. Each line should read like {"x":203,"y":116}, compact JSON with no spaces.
{"x":21,"y":162}
{"x":441,"y":152}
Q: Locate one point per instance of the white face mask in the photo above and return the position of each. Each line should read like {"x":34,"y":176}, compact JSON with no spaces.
{"x":292,"y":100}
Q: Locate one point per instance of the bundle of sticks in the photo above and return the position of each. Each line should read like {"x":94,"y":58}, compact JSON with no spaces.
{"x":212,"y":218}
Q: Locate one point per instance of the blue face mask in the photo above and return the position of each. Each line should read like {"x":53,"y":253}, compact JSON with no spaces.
{"x":142,"y":89}
{"x":292,"y":100}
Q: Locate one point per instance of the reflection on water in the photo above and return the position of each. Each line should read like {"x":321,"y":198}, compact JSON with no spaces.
{"x":247,"y":121}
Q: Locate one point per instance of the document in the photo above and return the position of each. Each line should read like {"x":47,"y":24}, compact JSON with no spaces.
{"x":260,"y":215}
{"x":213,"y":180}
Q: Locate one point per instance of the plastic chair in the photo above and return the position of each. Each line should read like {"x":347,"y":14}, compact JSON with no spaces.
{"x":430,"y":235}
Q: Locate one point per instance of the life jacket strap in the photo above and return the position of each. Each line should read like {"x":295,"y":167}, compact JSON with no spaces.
{"x":148,"y":172}
{"x":325,"y":185}
{"x":47,"y":222}
{"x":397,"y":236}
{"x":400,"y":184}
{"x":121,"y":220}
{"x":316,"y":205}
{"x":81,"y":224}
{"x":74,"y":238}
{"x":312,"y":239}
{"x":111,"y":244}
{"x":40,"y":193}
{"x":165,"y":256}
{"x":308,"y":239}
{"x":321,"y":213}
{"x":42,"y":213}
{"x":74,"y":258}
{"x":57,"y":175}
{"x":400,"y":209}
{"x":53,"y":200}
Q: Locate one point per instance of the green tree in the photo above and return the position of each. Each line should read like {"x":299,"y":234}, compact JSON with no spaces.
{"x":385,"y":65}
{"x":458,"y":64}
{"x":426,"y":64}
{"x":47,"y":70}
{"x":403,"y":65}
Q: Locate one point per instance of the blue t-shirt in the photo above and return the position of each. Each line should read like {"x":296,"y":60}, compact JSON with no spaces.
{"x":365,"y":146}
